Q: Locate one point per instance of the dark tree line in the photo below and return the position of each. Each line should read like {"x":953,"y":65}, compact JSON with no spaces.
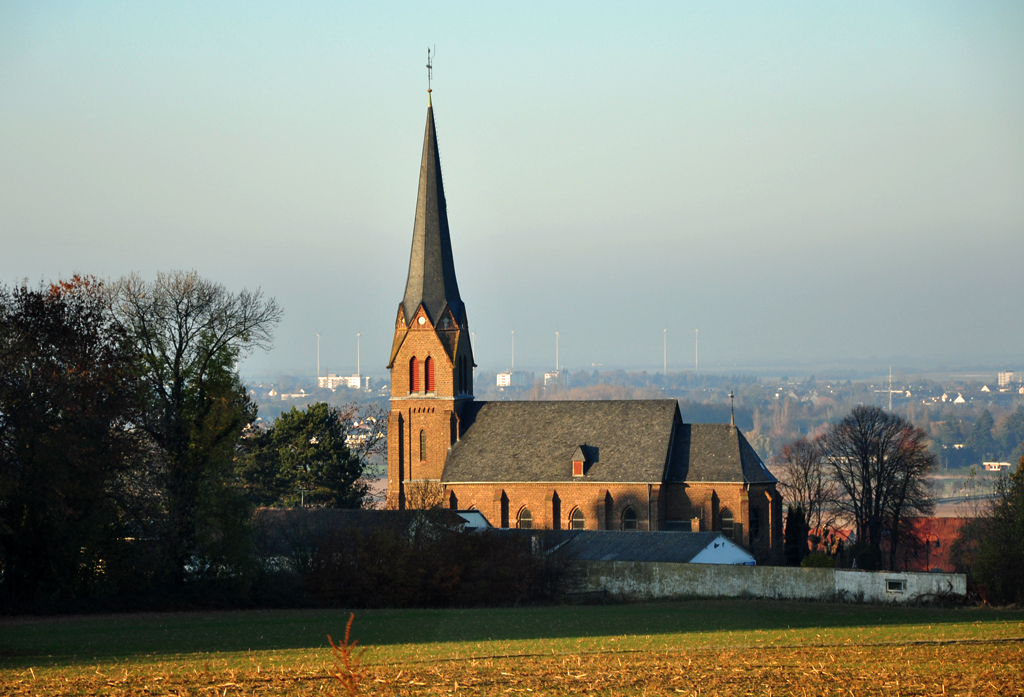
{"x":124,"y":473}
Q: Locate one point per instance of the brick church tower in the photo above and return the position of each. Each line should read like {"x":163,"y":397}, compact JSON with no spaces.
{"x":431,"y":358}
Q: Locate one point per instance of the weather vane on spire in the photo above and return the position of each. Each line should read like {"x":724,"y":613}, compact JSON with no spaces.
{"x":430,"y":69}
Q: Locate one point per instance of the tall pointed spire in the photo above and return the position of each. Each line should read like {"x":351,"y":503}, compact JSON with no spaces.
{"x":431,"y":280}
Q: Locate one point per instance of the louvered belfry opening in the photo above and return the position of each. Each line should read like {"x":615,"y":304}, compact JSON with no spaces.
{"x":428,"y":367}
{"x":414,"y":375}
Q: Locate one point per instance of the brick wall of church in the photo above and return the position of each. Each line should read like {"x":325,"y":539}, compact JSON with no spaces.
{"x":603,"y":505}
{"x":591,"y":498}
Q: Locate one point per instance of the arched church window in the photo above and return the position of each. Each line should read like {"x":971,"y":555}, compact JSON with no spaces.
{"x":414,"y":375}
{"x":755,"y":523}
{"x":629,"y":519}
{"x":423,"y":445}
{"x":727,"y":523}
{"x":454,"y":427}
{"x":428,"y":368}
{"x":525,"y":519}
{"x":577,"y":521}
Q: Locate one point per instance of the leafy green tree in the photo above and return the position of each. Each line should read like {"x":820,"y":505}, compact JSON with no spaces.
{"x":67,"y":411}
{"x":190,"y":334}
{"x":303,"y":459}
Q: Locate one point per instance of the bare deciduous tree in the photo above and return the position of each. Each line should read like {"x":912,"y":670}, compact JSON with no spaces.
{"x":881,"y":463}
{"x":190,"y":333}
{"x":421,"y":495}
{"x":806,"y":482}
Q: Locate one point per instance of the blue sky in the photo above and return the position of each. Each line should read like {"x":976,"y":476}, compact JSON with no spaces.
{"x":806,"y":182}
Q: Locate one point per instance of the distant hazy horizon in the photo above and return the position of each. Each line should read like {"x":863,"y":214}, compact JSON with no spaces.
{"x":810,"y":185}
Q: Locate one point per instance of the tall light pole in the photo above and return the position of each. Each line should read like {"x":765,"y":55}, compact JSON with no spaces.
{"x":664,"y":368}
{"x":358,"y":348}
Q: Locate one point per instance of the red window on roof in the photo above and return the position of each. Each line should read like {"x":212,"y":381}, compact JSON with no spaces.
{"x":414,"y":375}
{"x":429,"y":369}
{"x":577,"y":468}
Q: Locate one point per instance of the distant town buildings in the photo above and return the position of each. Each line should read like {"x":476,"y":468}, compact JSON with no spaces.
{"x":1006,"y":378}
{"x":352,"y":382}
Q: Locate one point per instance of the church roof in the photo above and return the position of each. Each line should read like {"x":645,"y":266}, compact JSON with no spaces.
{"x":431,"y":281}
{"x":715,"y":453}
{"x":623,"y":441}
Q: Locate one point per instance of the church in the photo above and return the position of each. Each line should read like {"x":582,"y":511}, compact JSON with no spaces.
{"x":592,"y":465}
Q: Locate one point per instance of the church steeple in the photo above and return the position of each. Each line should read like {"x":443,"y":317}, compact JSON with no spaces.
{"x":431,"y":281}
{"x":431,"y":358}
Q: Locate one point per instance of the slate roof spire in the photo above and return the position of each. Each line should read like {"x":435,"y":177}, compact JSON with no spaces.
{"x":431,"y":281}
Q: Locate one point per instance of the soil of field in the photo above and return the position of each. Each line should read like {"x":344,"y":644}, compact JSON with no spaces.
{"x":695,"y":647}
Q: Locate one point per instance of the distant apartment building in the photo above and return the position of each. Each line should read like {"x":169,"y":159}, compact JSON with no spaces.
{"x":352,"y":382}
{"x":514,"y":379}
{"x":557,"y":378}
{"x":1007,"y":378}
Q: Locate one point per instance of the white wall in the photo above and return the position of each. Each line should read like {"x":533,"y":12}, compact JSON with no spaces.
{"x":653,"y":580}
{"x":879,"y":586}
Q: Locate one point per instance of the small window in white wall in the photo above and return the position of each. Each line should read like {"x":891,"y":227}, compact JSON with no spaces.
{"x":895,"y":585}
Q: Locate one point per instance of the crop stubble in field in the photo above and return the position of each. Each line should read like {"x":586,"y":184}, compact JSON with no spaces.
{"x":689,"y":648}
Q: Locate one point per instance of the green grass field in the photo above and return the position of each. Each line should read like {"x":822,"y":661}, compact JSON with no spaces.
{"x":285,"y":652}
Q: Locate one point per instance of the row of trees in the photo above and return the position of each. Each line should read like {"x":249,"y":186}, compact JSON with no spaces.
{"x":123,"y":466}
{"x":870,"y":468}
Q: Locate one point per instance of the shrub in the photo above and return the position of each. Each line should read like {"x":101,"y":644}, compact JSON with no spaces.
{"x":818,"y":560}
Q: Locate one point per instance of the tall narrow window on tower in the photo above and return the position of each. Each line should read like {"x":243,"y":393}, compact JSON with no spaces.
{"x":423,"y":445}
{"x":428,"y":368}
{"x":414,"y":375}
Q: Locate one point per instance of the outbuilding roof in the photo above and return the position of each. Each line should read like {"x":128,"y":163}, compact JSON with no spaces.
{"x":611,"y":545}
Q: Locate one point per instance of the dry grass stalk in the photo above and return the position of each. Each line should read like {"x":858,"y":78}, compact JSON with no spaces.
{"x":348,"y":669}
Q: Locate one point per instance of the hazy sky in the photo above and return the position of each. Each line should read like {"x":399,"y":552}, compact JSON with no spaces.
{"x":819,"y":182}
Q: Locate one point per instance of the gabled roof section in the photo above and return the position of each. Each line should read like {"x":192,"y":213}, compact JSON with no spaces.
{"x":715,"y":453}
{"x":626,"y":441}
{"x":431,"y":281}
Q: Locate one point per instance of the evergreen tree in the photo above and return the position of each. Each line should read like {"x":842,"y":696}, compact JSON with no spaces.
{"x":795,"y":536}
{"x":303,"y":459}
